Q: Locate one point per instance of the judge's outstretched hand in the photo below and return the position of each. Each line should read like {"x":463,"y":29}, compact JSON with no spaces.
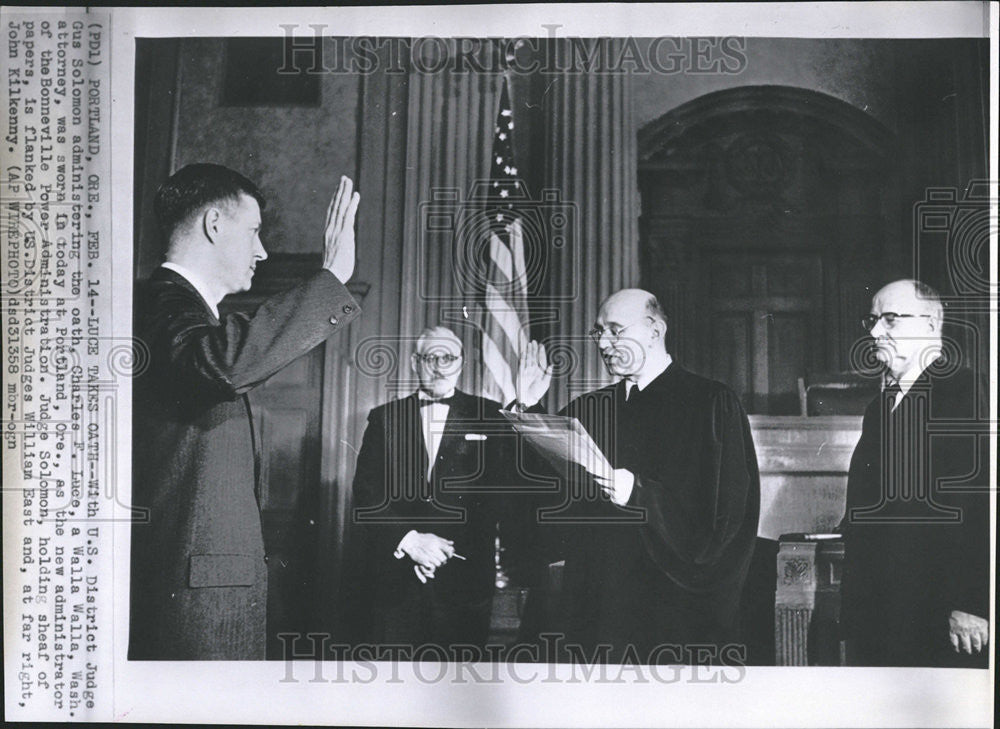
{"x":534,"y":374}
{"x":969,"y":633}
{"x":338,"y":245}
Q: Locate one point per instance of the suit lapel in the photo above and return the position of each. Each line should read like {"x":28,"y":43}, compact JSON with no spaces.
{"x":454,"y":431}
{"x":921,"y":384}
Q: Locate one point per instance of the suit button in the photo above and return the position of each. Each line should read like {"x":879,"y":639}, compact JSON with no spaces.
{"x":348,"y":308}
{"x":334,"y":320}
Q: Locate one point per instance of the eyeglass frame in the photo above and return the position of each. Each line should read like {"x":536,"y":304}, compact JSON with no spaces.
{"x":890,"y":322}
{"x":438,"y":360}
{"x":596,"y":333}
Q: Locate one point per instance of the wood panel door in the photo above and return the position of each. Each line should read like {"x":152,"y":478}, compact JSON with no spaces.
{"x":768,"y":214}
{"x":762,"y":316}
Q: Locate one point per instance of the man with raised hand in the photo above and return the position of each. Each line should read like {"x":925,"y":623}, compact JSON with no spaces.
{"x":199,"y":580}
{"x":657,"y":554}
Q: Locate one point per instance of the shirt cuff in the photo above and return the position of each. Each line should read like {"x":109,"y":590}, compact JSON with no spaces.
{"x":399,"y":553}
{"x":624,"y":484}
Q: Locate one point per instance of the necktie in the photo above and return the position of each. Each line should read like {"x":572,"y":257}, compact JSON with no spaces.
{"x":890,"y":394}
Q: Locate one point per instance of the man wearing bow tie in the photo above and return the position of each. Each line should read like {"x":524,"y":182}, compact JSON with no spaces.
{"x":427,"y":506}
{"x":915,"y":588}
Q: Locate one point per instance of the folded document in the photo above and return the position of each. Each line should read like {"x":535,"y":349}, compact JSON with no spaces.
{"x":561,"y":440}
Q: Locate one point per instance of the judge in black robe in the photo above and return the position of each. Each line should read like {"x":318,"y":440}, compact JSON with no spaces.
{"x":656,"y":552}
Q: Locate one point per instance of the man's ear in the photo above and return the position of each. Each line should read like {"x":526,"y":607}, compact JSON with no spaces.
{"x":211,"y":221}
{"x":413,"y":363}
{"x":660,"y":327}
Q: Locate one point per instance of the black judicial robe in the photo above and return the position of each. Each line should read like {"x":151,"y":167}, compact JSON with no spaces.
{"x":912,"y":558}
{"x":668,"y":568}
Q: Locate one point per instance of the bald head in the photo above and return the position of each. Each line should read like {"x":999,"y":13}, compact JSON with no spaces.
{"x":433,"y":336}
{"x":912,"y":296}
{"x":907,"y":316}
{"x":630,"y":331}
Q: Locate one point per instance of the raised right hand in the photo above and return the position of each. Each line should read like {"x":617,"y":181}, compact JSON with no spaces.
{"x":338,"y":244}
{"x":534,"y":374}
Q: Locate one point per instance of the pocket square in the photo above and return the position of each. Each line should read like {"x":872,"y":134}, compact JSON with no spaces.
{"x":475,"y":436}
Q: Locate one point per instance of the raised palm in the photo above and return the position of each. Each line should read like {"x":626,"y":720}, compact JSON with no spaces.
{"x":534,"y":374}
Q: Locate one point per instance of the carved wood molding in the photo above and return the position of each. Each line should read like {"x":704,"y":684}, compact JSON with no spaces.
{"x":660,"y":136}
{"x":807,"y":594}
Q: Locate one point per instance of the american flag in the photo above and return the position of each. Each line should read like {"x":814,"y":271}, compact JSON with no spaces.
{"x":505,"y":317}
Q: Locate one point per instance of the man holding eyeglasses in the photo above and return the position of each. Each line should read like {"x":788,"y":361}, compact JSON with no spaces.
{"x":657,"y":558}
{"x":426,"y":505}
{"x":915,"y":589}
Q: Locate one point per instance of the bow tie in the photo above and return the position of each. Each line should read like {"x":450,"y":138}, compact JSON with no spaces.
{"x":443,"y":401}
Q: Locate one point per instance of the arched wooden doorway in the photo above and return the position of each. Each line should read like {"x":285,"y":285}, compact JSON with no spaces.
{"x":767,"y":212}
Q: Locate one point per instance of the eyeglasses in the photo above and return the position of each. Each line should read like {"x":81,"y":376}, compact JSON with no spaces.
{"x":438,"y":360}
{"x":597,"y":332}
{"x":869,"y":322}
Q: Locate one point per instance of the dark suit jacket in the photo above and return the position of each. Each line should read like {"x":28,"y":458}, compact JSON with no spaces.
{"x":673,"y":572}
{"x":393,"y":495}
{"x":199,"y":584}
{"x":912,"y":558}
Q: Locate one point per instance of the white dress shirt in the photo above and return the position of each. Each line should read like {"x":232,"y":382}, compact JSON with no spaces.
{"x":432,"y":421}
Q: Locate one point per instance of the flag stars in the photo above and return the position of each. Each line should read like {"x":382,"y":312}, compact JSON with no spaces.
{"x":504,"y":193}
{"x":501,"y":135}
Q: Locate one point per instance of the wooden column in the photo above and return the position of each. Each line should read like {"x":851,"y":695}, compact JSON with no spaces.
{"x":807,"y":603}
{"x":795,"y":599}
{"x":591,"y":165}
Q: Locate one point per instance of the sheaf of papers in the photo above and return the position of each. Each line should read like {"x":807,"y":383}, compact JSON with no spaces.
{"x":561,"y":440}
